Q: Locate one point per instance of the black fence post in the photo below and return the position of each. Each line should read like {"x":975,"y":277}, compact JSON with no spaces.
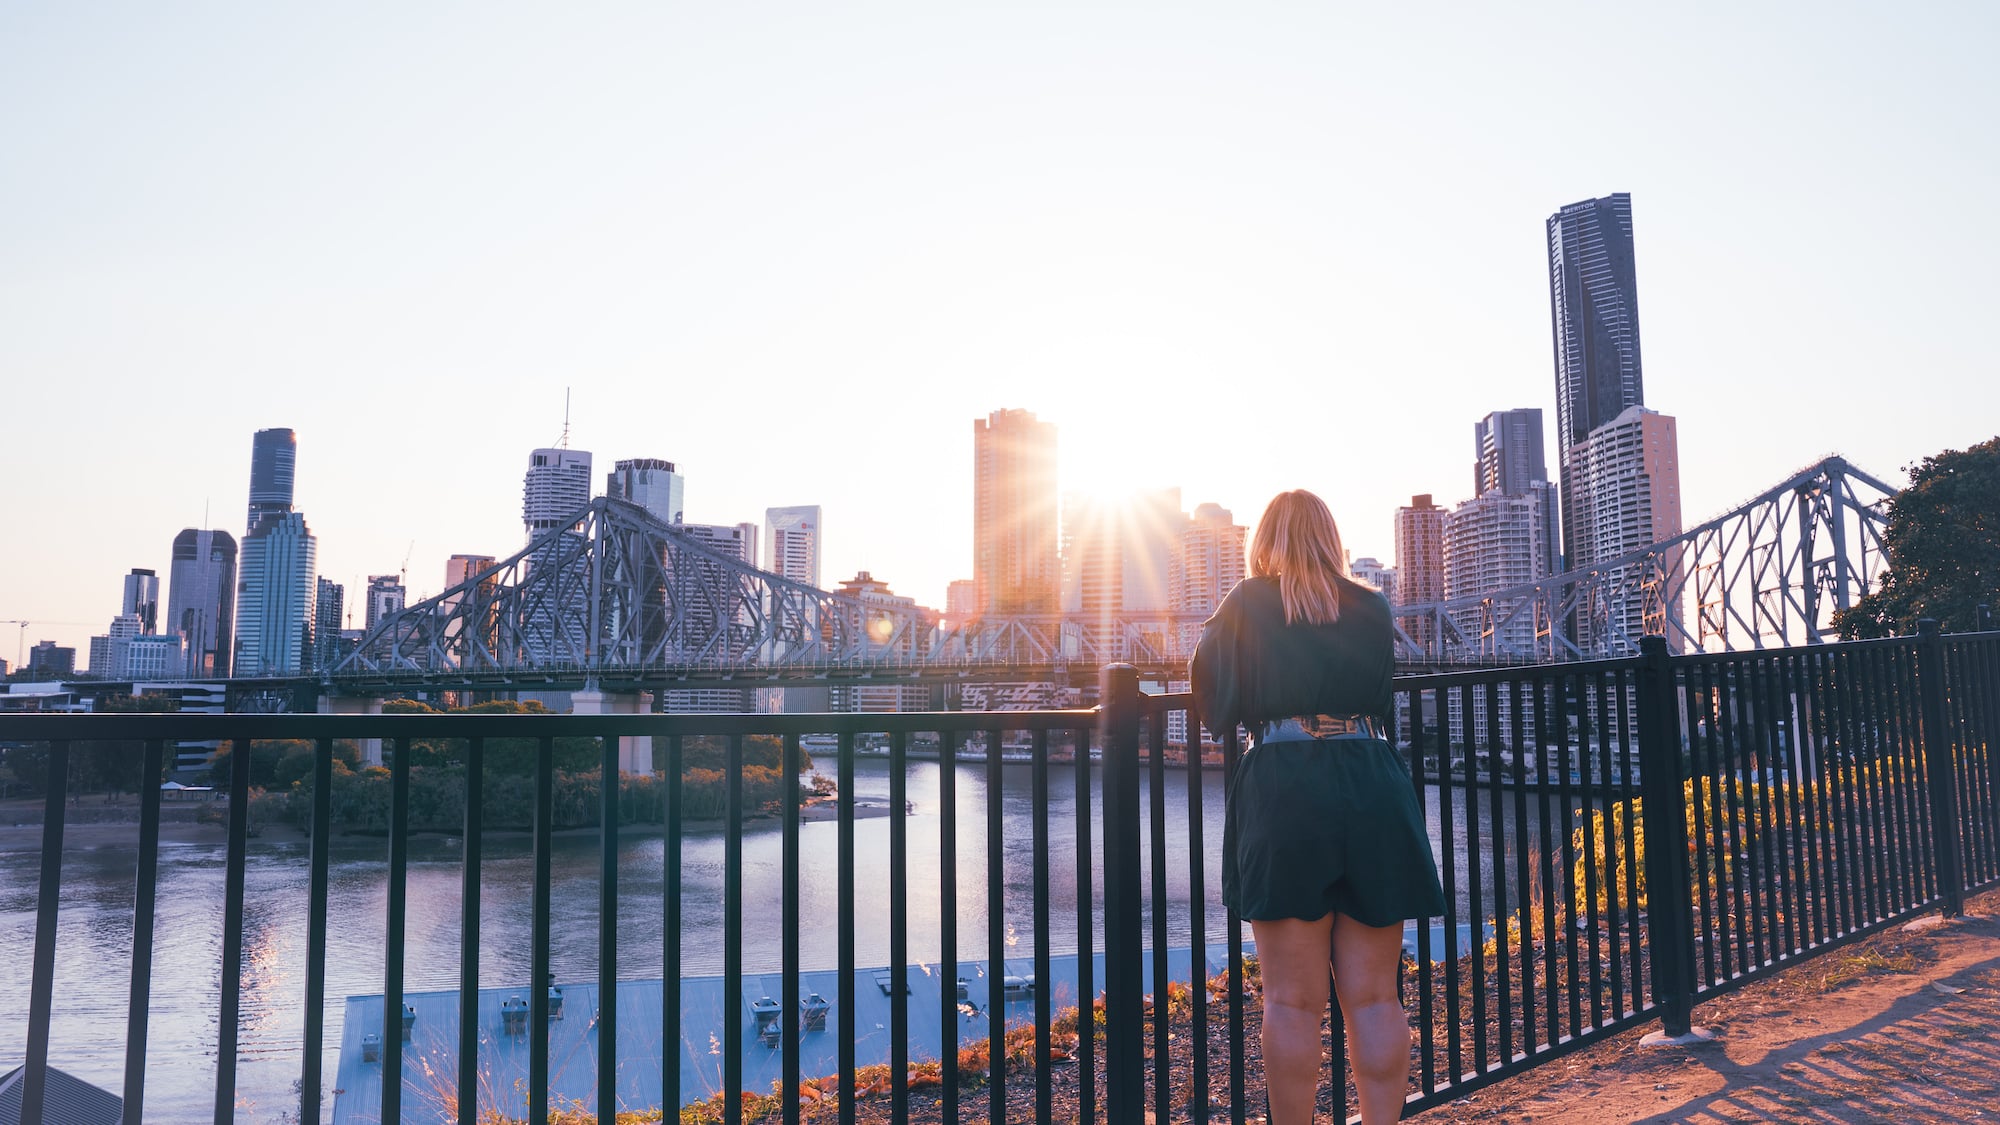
{"x":1124,"y":941}
{"x":1663,"y":812}
{"x":1939,"y":768}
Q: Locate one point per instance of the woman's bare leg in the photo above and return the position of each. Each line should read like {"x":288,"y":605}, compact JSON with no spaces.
{"x":1365,"y":959}
{"x":1292,"y":955}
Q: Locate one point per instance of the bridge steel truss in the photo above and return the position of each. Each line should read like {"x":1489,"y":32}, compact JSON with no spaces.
{"x":620,"y":597}
{"x":1770,"y":573}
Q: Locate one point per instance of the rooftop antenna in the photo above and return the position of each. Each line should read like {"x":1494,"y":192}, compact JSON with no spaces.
{"x":563,"y":442}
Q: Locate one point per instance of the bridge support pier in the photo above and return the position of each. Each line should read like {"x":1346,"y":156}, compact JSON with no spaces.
{"x":371,"y":748}
{"x":635,"y":753}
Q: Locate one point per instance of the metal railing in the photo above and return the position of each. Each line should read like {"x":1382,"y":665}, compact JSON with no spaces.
{"x":1616,"y":840}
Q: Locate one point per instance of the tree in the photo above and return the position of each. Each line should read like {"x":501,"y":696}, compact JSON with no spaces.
{"x":1944,"y":548}
{"x":117,"y":766}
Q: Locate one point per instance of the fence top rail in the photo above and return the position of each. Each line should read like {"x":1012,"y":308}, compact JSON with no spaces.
{"x":40,"y":727}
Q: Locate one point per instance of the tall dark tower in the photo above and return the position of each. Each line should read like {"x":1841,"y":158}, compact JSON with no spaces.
{"x":1594,"y":313}
{"x":272,"y":456}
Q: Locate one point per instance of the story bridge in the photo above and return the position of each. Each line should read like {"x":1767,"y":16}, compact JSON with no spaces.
{"x":621,"y":602}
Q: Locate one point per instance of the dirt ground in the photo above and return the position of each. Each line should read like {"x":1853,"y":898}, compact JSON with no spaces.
{"x":1901,"y":1028}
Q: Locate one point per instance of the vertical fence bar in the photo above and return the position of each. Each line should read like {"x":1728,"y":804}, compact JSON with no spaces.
{"x":1559,"y":690}
{"x":1704,"y":828}
{"x":1044,"y":1062}
{"x":144,"y":901}
{"x":392,"y":956}
{"x":1474,"y":876}
{"x":670,"y":934}
{"x":789,"y":923}
{"x":1669,"y":917}
{"x":468,"y":931}
{"x":1197,"y":928}
{"x":232,"y":933}
{"x":1124,"y":938}
{"x":1503,"y":975}
{"x":1524,"y":899}
{"x":1427,"y":1031}
{"x":996,"y":932}
{"x":899,"y":929}
{"x":1156,"y":825}
{"x":1938,"y":767}
{"x":1239,"y":1102}
{"x":1847,"y":759}
{"x":732,"y":935}
{"x":1628,"y":757}
{"x":948,"y":920}
{"x":1454,"y":1037}
{"x":1086,"y":955}
{"x":48,"y":896}
{"x":1913,"y":805}
{"x":310,"y":1079}
{"x":607,"y":929}
{"x":539,"y":940}
{"x":1877,"y":787}
{"x":844,"y":996}
{"x":1607,"y":733}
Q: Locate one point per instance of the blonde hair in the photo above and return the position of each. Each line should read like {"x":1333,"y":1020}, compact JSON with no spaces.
{"x":1298,"y":543}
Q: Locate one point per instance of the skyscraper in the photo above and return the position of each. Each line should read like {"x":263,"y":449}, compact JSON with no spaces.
{"x":142,"y":598}
{"x":1420,"y":529}
{"x":1508,"y":445}
{"x":650,"y":483}
{"x":1212,"y":561}
{"x":385,"y":596}
{"x":1626,"y":496}
{"x":273,"y":458}
{"x":329,"y":605}
{"x":795,"y":538}
{"x":1594,"y":315}
{"x":1420,"y":551}
{"x":275,"y":591}
{"x":555,"y":490}
{"x":1014,"y":540}
{"x":201,"y":599}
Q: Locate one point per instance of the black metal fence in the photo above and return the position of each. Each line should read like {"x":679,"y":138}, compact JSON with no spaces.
{"x":1617,"y":839}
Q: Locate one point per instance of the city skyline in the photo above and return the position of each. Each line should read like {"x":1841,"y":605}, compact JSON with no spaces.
{"x":1157,"y":242}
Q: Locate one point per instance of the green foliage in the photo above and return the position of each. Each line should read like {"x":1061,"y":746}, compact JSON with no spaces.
{"x":1943,"y":541}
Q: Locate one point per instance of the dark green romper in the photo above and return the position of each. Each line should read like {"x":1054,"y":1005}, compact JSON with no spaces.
{"x":1327,"y":825}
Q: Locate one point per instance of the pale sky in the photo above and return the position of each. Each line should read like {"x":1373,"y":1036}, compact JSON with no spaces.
{"x":798,"y":248}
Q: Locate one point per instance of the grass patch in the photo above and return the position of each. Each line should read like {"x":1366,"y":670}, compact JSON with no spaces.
{"x":1843,"y":970}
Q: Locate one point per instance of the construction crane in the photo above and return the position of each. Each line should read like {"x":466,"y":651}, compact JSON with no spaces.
{"x":21,"y":641}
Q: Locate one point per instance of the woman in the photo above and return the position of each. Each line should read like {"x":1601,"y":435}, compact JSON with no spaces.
{"x":1324,"y":845}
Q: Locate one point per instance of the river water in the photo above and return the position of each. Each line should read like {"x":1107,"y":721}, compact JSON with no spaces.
{"x":95,"y":930}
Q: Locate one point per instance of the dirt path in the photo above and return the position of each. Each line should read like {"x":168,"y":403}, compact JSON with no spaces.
{"x":1902,"y":1028}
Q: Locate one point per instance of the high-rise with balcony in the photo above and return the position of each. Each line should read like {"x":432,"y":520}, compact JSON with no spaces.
{"x":201,"y":599}
{"x":1627,"y":496}
{"x":1420,"y":529}
{"x":794,"y":534}
{"x":1594,"y":316}
{"x":1014,"y":556}
{"x":329,"y":607}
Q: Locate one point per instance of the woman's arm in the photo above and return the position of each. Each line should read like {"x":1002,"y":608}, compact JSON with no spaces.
{"x":1218,"y":700}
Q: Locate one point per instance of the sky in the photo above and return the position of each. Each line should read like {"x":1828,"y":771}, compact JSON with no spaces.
{"x":798,"y":248}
